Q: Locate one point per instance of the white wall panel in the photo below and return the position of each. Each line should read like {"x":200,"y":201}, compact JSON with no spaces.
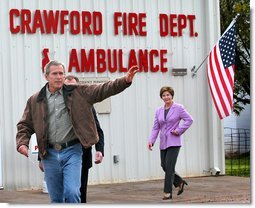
{"x":129,"y":124}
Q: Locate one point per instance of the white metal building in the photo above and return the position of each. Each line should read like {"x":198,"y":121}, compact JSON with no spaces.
{"x":128,"y":117}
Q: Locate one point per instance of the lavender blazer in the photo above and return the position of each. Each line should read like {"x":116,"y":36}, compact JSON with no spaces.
{"x":177,"y":119}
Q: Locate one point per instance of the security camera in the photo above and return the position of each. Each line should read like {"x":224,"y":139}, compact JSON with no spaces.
{"x":215,"y":171}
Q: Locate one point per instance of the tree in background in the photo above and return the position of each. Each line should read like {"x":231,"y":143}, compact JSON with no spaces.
{"x":228,"y":10}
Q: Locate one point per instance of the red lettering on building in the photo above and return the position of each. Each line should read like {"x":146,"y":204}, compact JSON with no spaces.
{"x":101,"y":60}
{"x":130,"y":23}
{"x":152,"y":55}
{"x":73,"y":61}
{"x":97,"y":23}
{"x":163,"y":60}
{"x":132,"y":58}
{"x":75,"y":22}
{"x":121,"y":66}
{"x":12,"y":14}
{"x":37,"y":24}
{"x":112,"y":60}
{"x":191,"y":19}
{"x":174,"y":24}
{"x":143,"y":58}
{"x":87,"y":61}
{"x":25,"y":21}
{"x":45,"y":59}
{"x":53,"y":22}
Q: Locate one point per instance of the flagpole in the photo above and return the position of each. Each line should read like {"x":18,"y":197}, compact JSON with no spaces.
{"x":194,"y":72}
{"x":230,"y":25}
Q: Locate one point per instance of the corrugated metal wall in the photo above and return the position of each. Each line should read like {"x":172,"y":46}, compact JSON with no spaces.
{"x":129,"y":124}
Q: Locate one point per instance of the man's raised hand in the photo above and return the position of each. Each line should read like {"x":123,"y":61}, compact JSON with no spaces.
{"x":131,"y":73}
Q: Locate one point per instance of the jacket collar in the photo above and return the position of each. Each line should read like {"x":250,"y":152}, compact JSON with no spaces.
{"x":67,"y":89}
{"x":170,"y":111}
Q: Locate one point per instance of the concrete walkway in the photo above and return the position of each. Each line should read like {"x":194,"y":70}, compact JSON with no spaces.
{"x":219,"y":190}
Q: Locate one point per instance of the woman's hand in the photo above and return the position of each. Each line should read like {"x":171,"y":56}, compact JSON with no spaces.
{"x":174,"y":132}
{"x":150,"y":145}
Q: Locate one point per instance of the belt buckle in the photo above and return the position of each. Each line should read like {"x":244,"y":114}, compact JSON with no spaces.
{"x":57,"y":146}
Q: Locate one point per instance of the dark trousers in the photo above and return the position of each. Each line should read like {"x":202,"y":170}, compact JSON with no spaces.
{"x":168,"y":161}
{"x":84,"y":184}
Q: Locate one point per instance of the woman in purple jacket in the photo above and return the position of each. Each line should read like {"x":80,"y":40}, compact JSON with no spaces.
{"x":171,"y":121}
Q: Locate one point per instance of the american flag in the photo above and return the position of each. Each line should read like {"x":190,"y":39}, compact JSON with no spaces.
{"x":220,"y":71}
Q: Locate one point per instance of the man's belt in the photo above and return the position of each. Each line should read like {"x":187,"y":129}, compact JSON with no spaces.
{"x":58,"y":146}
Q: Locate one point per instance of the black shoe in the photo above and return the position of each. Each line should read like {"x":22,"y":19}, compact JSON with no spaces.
{"x":166,"y":197}
{"x":182,"y":187}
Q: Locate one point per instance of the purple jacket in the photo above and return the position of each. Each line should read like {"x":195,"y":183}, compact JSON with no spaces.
{"x":177,"y":119}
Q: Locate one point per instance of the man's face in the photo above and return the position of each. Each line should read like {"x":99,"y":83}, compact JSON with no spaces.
{"x":70,"y":81}
{"x":55,"y":78}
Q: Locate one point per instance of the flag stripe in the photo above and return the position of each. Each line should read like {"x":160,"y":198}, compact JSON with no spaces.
{"x":230,"y":75}
{"x":213,"y":93}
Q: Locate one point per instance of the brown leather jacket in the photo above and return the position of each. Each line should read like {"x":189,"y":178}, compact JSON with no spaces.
{"x":79,"y":100}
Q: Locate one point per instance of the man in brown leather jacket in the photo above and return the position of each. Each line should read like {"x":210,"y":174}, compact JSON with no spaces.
{"x":61,"y":117}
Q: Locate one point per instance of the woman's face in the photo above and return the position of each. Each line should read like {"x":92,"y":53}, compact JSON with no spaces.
{"x":167,"y":97}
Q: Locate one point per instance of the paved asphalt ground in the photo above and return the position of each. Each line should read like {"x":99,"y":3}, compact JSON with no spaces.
{"x":200,"y":190}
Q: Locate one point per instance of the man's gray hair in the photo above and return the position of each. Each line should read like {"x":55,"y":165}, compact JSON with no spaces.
{"x":52,"y":63}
